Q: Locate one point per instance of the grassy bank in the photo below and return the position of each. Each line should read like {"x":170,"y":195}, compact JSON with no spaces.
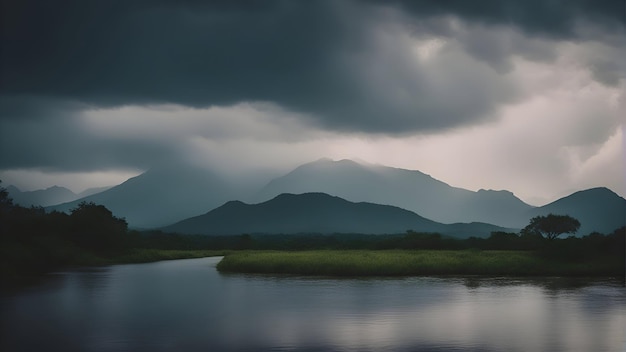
{"x":413,"y":262}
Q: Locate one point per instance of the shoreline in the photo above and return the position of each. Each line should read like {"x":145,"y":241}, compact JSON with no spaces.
{"x":12,"y":275}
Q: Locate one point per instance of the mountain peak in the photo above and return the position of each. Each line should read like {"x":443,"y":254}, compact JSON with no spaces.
{"x":323,"y":160}
{"x":503,"y":192}
{"x":41,"y":197}
{"x":57,"y":188}
{"x":591,"y":194}
{"x":329,"y":161}
{"x":408,"y":189}
{"x":317,"y":212}
{"x":599,"y":190}
{"x":598,"y":209}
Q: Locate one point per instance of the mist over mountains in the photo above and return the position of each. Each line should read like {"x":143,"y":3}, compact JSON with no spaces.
{"x":49,"y":196}
{"x":164,"y":195}
{"x":170,"y":193}
{"x":408,"y":189}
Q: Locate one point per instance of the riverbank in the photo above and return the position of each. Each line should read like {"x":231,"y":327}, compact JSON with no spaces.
{"x":414,"y":262}
{"x":16,"y":271}
{"x":154,"y":255}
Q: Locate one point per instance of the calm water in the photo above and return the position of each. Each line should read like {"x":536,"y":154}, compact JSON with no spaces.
{"x":186,"y":305}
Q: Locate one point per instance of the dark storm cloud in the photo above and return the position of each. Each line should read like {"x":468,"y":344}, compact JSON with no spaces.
{"x":114,"y":52}
{"x":321,"y":58}
{"x":556,"y":19}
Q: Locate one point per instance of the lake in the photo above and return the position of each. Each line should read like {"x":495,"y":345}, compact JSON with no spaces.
{"x":186,"y":305}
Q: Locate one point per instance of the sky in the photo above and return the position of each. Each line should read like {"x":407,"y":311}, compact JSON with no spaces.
{"x":527,"y":96}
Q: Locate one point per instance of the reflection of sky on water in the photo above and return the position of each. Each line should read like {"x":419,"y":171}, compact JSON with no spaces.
{"x":186,"y":305}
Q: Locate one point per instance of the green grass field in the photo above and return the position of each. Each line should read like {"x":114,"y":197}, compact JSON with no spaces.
{"x":411,"y":262}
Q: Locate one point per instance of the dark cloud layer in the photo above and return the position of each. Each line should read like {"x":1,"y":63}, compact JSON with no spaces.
{"x":313,"y":57}
{"x":555,"y":19}
{"x":346,"y":66}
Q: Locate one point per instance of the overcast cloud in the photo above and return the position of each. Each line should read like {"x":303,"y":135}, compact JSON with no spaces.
{"x":526,"y":96}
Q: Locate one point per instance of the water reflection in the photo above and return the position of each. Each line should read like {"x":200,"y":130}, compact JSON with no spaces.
{"x":186,"y":305}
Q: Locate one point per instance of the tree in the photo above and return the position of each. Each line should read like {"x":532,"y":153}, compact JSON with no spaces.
{"x":94,"y":227}
{"x":502,"y":240}
{"x":552,"y":226}
{"x":6,"y":203}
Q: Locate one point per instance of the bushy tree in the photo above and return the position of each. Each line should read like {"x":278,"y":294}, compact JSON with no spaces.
{"x":551,"y":226}
{"x":502,"y":240}
{"x":94,"y":227}
{"x":6,"y":203}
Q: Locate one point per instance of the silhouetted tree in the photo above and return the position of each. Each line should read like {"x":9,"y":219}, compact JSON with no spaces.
{"x":551,"y":226}
{"x":6,"y":203}
{"x":94,"y":227}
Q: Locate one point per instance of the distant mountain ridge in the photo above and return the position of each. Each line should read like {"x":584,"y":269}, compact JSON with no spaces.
{"x":49,"y":196}
{"x":597,"y":209}
{"x":173,"y":192}
{"x":42,"y":197}
{"x":408,"y":189}
{"x":317,"y":213}
{"x":162,"y":195}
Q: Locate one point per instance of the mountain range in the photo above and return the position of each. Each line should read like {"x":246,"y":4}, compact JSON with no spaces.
{"x":170,"y":193}
{"x":408,"y":189}
{"x":49,"y":196}
{"x":598,"y":209}
{"x":163,"y":195}
{"x":318,"y":213}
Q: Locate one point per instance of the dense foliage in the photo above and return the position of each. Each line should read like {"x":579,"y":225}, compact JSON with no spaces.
{"x":552,"y":226}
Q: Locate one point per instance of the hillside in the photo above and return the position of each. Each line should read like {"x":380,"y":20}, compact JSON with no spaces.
{"x":42,"y":197}
{"x":317,"y":213}
{"x":597,"y":209}
{"x":162,"y":195}
{"x":408,"y":189}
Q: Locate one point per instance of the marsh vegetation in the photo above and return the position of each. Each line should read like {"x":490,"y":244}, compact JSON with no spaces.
{"x":413,"y":262}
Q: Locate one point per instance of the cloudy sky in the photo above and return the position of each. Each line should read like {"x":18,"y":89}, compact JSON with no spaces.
{"x":528,"y":96}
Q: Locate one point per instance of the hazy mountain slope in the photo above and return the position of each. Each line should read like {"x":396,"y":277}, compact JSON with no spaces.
{"x":42,"y":197}
{"x":91,"y":191}
{"x":408,"y":189}
{"x":163,"y":195}
{"x":597,"y":209}
{"x":316,"y":213}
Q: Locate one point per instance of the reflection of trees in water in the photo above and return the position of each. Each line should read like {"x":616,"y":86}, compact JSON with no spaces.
{"x":92,"y":279}
{"x":472,"y":282}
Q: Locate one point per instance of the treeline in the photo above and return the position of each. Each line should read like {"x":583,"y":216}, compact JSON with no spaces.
{"x":592,"y":244}
{"x":32,"y":240}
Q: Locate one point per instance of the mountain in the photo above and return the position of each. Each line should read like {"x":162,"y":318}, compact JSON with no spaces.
{"x":597,"y":209}
{"x":90,"y":191}
{"x":163,"y":195}
{"x":408,"y":189}
{"x":42,"y":197}
{"x":317,"y":213}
